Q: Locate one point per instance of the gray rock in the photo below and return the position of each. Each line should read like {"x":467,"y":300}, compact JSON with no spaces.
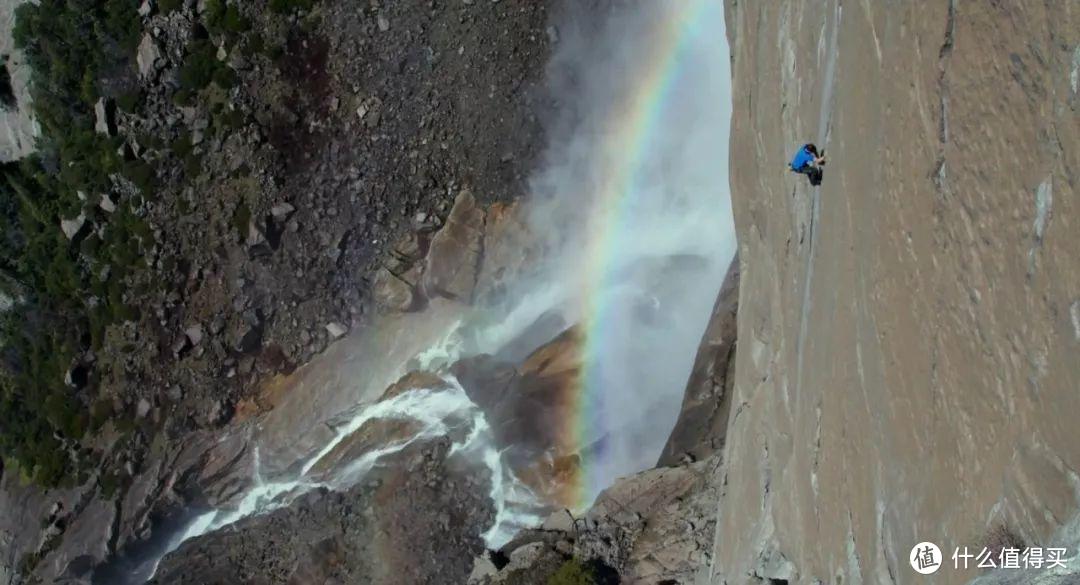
{"x":774,"y":566}
{"x":175,"y":393}
{"x":282,"y":211}
{"x":194,"y":334}
{"x":104,"y":122}
{"x":84,"y":545}
{"x":180,"y":345}
{"x":72,"y":227}
{"x":336,"y":330}
{"x":106,"y":203}
{"x":142,"y":408}
{"x":552,"y":34}
{"x":147,"y":55}
{"x":524,"y":556}
{"x":483,"y":569}
{"x":255,"y":235}
{"x":560,"y":520}
{"x":392,"y":293}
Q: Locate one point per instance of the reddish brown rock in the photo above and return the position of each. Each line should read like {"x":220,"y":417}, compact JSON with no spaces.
{"x":373,"y":434}
{"x":415,"y":381}
{"x":391,"y":292}
{"x":453,"y":259}
{"x":510,"y":250}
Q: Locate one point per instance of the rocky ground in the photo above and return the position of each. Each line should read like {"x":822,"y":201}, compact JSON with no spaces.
{"x":278,"y":198}
{"x":362,"y":126}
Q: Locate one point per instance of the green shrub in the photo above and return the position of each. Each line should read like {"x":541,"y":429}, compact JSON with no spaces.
{"x":100,"y":412}
{"x":68,"y":45}
{"x":573,"y":572}
{"x":167,"y":6}
{"x":242,"y":219}
{"x":254,"y":45}
{"x":122,"y":23}
{"x":234,"y":22}
{"x":182,"y":147}
{"x":199,"y":65}
{"x":183,"y":97}
{"x":224,"y":77}
{"x":200,"y":68}
{"x":142,"y":175}
{"x":288,"y":6}
{"x":229,"y":120}
{"x":109,"y":482}
{"x":129,"y":101}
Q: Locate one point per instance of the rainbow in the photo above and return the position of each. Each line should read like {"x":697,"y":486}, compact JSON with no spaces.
{"x":633,"y":124}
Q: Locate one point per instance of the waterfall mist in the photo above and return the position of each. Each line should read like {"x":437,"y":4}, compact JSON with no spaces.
{"x":641,"y":268}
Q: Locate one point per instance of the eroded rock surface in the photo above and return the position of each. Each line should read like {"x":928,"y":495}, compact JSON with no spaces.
{"x":655,"y":527}
{"x":417,"y":520}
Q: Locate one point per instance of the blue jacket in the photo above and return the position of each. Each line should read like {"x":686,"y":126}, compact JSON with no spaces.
{"x":802,"y":158}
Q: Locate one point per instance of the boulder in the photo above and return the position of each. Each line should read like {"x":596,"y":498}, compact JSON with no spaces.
{"x":560,"y":520}
{"x":453,"y":260}
{"x":194,"y":334}
{"x":255,"y":235}
{"x":106,"y":204}
{"x":142,"y":408}
{"x":72,"y":227}
{"x":104,"y":117}
{"x":282,"y":211}
{"x":392,"y":293}
{"x":336,"y":330}
{"x":147,"y":55}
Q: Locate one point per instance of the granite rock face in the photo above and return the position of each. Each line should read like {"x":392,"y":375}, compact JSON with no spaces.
{"x":907,"y":336}
{"x":18,"y":130}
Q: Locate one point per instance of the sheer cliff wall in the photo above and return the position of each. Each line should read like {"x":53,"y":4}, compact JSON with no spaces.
{"x":909,"y":332}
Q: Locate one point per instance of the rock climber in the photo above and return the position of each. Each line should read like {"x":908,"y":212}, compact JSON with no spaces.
{"x":809,"y":162}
